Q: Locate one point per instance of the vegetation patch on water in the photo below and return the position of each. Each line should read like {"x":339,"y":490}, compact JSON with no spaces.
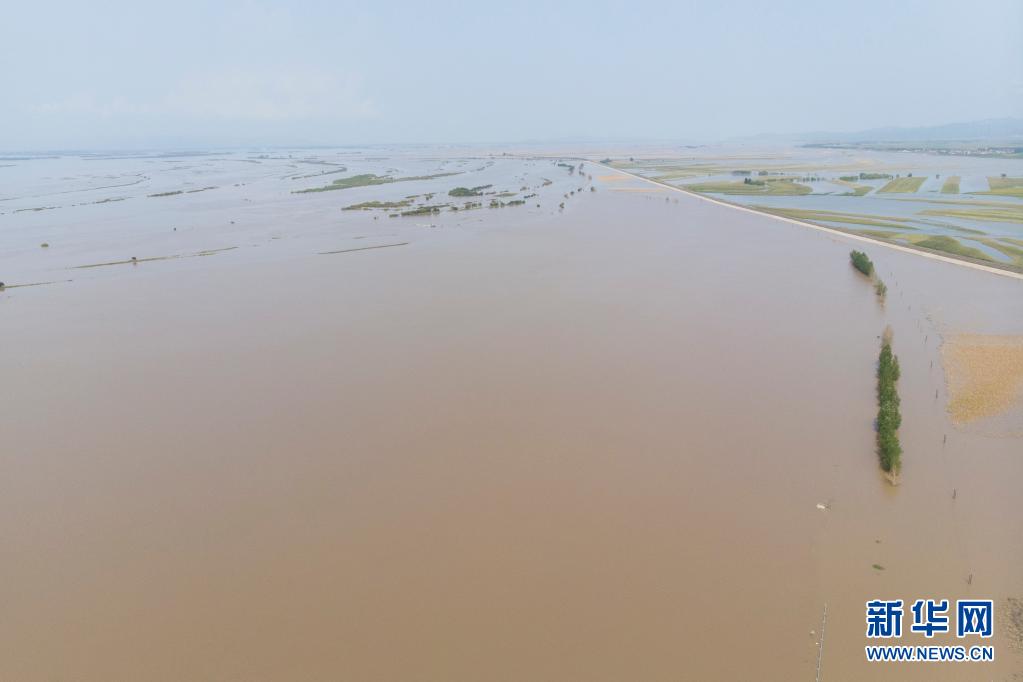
{"x":362,"y":248}
{"x":1005,"y":187}
{"x":946,"y":244}
{"x":135,"y":261}
{"x":1009,"y":214}
{"x":889,"y":419}
{"x":857,"y":190}
{"x":368,"y":179}
{"x":381,"y":205}
{"x":468,"y":191}
{"x":780,"y":187}
{"x":426,"y":209}
{"x":862,"y":262}
{"x":1004,"y":246}
{"x":951,"y":185}
{"x":180,"y":191}
{"x":907,"y":185}
{"x":837,"y":217}
{"x":468,"y":206}
{"x":342,"y":169}
{"x":878,"y":234}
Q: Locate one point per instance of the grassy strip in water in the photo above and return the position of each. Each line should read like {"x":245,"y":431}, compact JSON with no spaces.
{"x":1006,"y":192}
{"x":468,"y":191}
{"x":1004,"y":187}
{"x":837,"y":217}
{"x":889,"y":419}
{"x":136,"y":261}
{"x":1010,"y":214}
{"x":768,"y":187}
{"x":342,"y":169}
{"x":468,"y":206}
{"x":879,"y":234}
{"x":426,"y":209}
{"x":960,"y":202}
{"x":367,"y":179}
{"x":1012,"y":252}
{"x":951,"y":185}
{"x":944,"y":244}
{"x":32,"y":284}
{"x":1004,"y":183}
{"x":361,"y":248}
{"x":371,"y":205}
{"x":180,"y":191}
{"x":941,"y":242}
{"x":902,"y":185}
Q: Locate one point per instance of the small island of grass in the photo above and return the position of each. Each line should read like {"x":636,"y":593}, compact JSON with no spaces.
{"x":468,"y":191}
{"x":366,"y":180}
{"x":907,"y":185}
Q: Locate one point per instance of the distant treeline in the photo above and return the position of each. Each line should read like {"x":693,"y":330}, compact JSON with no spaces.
{"x":866,"y":176}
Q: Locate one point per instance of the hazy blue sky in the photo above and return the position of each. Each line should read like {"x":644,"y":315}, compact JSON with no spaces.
{"x":137,"y":74}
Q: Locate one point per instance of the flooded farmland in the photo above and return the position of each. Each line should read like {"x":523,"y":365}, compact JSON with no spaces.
{"x":968,"y":207}
{"x":582,"y":437}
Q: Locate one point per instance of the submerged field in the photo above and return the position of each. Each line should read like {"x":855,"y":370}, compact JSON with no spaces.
{"x":960,"y":205}
{"x":574,"y":438}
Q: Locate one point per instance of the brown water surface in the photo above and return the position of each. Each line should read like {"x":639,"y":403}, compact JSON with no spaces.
{"x":586,"y":446}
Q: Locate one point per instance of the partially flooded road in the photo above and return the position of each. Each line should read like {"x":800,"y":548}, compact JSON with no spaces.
{"x":588,"y":444}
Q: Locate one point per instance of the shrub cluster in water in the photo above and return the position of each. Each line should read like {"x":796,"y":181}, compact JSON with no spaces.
{"x":888,"y":417}
{"x":862,"y":262}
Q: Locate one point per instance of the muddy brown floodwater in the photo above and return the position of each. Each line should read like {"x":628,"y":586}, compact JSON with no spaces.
{"x":587,"y":447}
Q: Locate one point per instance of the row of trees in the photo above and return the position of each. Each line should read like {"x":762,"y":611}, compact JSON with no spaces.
{"x":888,"y":417}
